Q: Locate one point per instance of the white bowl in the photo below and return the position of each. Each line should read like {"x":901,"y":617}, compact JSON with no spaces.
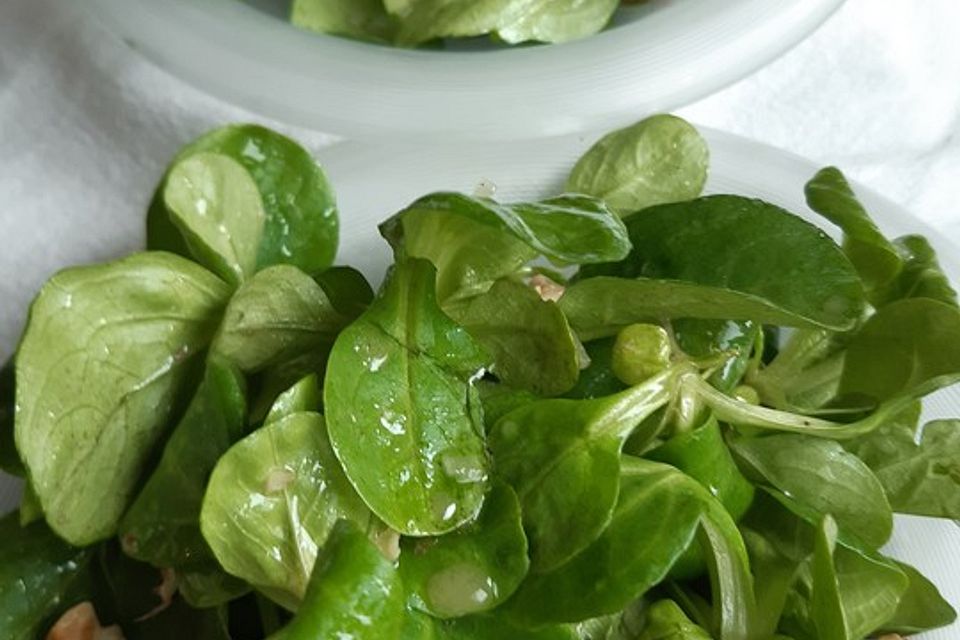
{"x":374,"y":181}
{"x":657,"y":57}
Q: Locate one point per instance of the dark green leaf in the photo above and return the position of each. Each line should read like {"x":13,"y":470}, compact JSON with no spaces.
{"x":597,"y":379}
{"x":823,"y":476}
{"x":532,"y":345}
{"x":498,"y":400}
{"x":301,"y":225}
{"x":721,"y":257}
{"x":712,"y":338}
{"x":472,"y":569}
{"x":162,"y":526}
{"x":657,"y":516}
{"x":215,"y":204}
{"x":104,"y":355}
{"x":877,"y":260}
{"x":354,"y":593}
{"x":276,"y":316}
{"x":9,"y":458}
{"x":271,"y":503}
{"x":404,"y":416}
{"x":906,"y":345}
{"x":657,"y":160}
{"x":347,"y":289}
{"x":561,"y":456}
{"x":703,"y":455}
{"x":40,"y":577}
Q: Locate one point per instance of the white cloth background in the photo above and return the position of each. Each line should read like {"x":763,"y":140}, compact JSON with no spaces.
{"x":86,"y":126}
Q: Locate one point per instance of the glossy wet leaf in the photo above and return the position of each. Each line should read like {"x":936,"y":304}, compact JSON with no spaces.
{"x":513,"y":21}
{"x":278,"y":315}
{"x":40,"y":577}
{"x":920,"y":475}
{"x":562,"y":458}
{"x":906,"y":345}
{"x":162,"y":526}
{"x":403,"y":413}
{"x":822,"y":475}
{"x":719,"y":338}
{"x":569,"y":228}
{"x":420,"y":626}
{"x":921,"y":606}
{"x":703,"y":455}
{"x":9,"y":458}
{"x":272,"y":500}
{"x":300,"y":226}
{"x":720,"y":257}
{"x":301,"y":397}
{"x":472,"y":569}
{"x":657,"y":515}
{"x":657,"y":160}
{"x":215,"y":204}
{"x":104,"y":356}
{"x":733,"y":610}
{"x":877,"y":260}
{"x":361,"y":19}
{"x":354,"y":592}
{"x":532,"y":345}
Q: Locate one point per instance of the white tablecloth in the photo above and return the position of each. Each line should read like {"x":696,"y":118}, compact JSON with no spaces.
{"x":86,"y":126}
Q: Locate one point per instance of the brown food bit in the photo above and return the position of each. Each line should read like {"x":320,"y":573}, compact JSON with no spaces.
{"x":547,"y":289}
{"x":165,"y":591}
{"x":81,"y":623}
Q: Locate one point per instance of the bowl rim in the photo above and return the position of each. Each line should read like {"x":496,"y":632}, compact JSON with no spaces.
{"x":692,"y":49}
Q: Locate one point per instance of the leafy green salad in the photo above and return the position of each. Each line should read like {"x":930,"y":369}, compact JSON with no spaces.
{"x":409,"y":23}
{"x":627,"y":412}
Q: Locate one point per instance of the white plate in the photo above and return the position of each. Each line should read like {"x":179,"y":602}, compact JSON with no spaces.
{"x":660,"y":56}
{"x":372,"y":182}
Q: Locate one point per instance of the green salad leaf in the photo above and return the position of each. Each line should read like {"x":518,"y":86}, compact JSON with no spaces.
{"x":403,"y":413}
{"x":562,"y":458}
{"x":823,"y":476}
{"x":99,"y":370}
{"x":360,"y":19}
{"x":215,"y":204}
{"x":921,"y":606}
{"x":532,"y":345}
{"x":657,"y":160}
{"x":276,"y":316}
{"x":513,"y":21}
{"x":720,"y":257}
{"x":271,"y":503}
{"x":162,"y":526}
{"x":41,"y":576}
{"x":473,"y":569}
{"x":354,"y":592}
{"x":300,"y":225}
